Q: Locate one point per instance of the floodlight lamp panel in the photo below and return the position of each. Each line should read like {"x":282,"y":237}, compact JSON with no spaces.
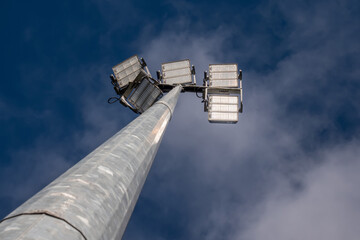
{"x":128,"y":71}
{"x":175,"y":65}
{"x":223,"y":75}
{"x":223,"y":109}
{"x":223,"y":99}
{"x":223,"y":67}
{"x":178,"y":72}
{"x":223,"y":117}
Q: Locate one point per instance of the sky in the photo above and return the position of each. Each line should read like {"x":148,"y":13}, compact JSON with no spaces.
{"x":289,"y":169}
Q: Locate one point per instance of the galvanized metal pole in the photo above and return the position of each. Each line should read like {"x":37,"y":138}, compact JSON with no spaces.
{"x":96,"y":197}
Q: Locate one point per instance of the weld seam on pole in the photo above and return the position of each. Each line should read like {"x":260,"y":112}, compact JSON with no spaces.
{"x":47,"y":214}
{"x":167,"y":105}
{"x":30,"y":227}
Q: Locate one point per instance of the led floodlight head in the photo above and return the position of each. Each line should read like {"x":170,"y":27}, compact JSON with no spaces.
{"x":223,"y":109}
{"x":223,"y":75}
{"x":178,"y":72}
{"x":128,"y":71}
{"x":144,"y":95}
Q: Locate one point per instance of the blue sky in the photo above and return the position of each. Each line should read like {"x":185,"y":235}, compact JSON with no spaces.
{"x":287,"y":170}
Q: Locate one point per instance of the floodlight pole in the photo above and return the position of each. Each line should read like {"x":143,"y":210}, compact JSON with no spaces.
{"x":94,"y":199}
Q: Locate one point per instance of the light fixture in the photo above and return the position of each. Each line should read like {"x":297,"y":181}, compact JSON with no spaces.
{"x":223,"y":75}
{"x":178,"y":72}
{"x":222,"y":92}
{"x":134,"y":84}
{"x":144,"y":95}
{"x":129,"y":71}
{"x":223,"y":109}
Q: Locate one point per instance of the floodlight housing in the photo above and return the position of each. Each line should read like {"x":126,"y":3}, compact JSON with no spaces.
{"x":223,"y":109}
{"x":178,"y":72}
{"x":129,"y":71}
{"x":222,"y":92}
{"x":223,"y":75}
{"x":144,"y":95}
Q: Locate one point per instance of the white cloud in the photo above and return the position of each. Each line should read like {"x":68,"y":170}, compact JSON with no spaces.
{"x":326,"y":208}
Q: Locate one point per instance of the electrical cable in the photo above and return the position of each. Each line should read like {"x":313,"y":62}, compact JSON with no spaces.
{"x":113,"y":100}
